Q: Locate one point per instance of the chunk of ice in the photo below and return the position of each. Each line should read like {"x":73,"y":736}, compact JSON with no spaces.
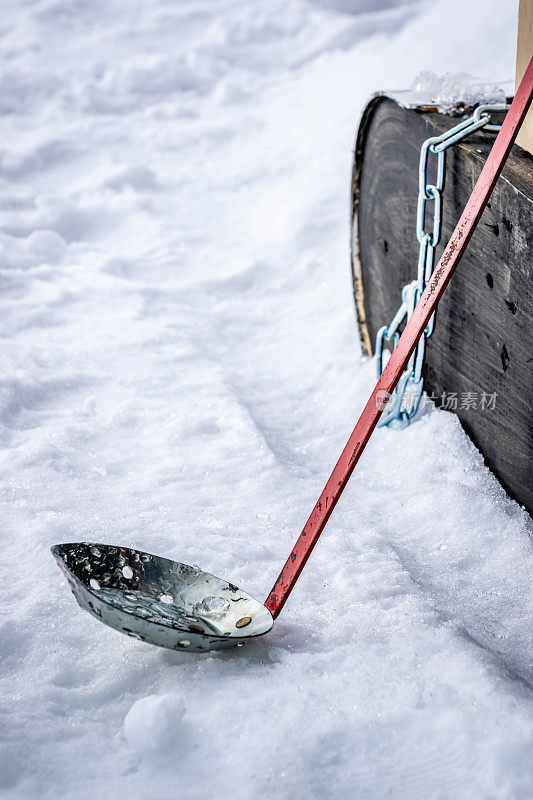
{"x":211,"y":607}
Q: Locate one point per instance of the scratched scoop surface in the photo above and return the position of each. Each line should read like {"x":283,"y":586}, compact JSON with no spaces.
{"x":160,"y":601}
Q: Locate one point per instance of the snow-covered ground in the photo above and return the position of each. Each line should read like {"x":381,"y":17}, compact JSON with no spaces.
{"x":179,"y":372}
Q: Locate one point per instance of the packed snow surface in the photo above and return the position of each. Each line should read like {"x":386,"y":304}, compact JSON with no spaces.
{"x":180,"y":371}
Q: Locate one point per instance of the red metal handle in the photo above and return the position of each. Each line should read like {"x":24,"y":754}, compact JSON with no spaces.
{"x":399,"y":358}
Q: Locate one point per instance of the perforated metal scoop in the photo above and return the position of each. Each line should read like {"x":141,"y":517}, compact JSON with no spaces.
{"x":181,"y":607}
{"x":160,"y":601}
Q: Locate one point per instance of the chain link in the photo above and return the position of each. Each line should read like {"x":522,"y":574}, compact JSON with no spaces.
{"x":405,"y":400}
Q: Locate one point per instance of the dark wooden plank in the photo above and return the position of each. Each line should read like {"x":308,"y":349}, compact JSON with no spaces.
{"x":482,"y":342}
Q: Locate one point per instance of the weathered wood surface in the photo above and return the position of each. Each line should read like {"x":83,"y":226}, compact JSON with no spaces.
{"x":483,"y":338}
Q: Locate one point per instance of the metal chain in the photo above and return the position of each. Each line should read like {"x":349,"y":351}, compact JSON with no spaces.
{"x":405,"y":400}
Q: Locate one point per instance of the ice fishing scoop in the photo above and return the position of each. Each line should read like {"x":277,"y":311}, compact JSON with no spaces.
{"x":180,"y":607}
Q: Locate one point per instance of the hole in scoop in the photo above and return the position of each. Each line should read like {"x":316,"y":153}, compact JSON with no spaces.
{"x":133,"y":634}
{"x":196,"y":629}
{"x":184,"y":643}
{"x":127,"y":572}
